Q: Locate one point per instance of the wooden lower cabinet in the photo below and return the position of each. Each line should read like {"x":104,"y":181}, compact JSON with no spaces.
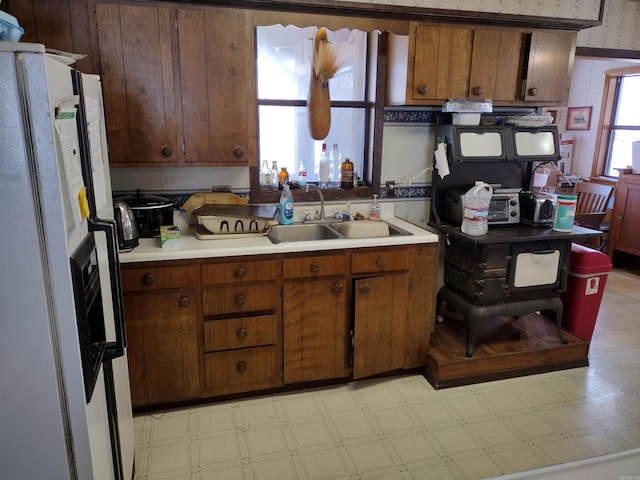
{"x":213,"y":327}
{"x":161,"y":318}
{"x":625,"y":224}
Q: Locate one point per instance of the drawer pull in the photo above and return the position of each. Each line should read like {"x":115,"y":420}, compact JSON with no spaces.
{"x":166,"y":151}
{"x":240,"y":272}
{"x":315,"y":267}
{"x":240,"y":299}
{"x":381,"y":262}
{"x":241,"y":333}
{"x":364,"y":288}
{"x":241,"y":367}
{"x":477,"y":91}
{"x":337,"y":288}
{"x":184,"y":302}
{"x":238,"y":151}
{"x":148,"y":279}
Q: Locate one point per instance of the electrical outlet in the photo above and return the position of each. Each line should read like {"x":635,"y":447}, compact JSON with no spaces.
{"x":389,"y":187}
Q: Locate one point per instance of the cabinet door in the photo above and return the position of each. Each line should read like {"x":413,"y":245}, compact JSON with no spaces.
{"x":380,"y":324}
{"x":162,"y":347}
{"x":439,"y":67}
{"x":550,"y":63}
{"x":315,"y":330}
{"x":495,"y":65}
{"x":218,"y":86}
{"x":139,"y":84}
{"x":625,"y":227}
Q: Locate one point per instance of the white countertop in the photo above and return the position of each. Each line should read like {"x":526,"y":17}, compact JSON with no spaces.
{"x":149,"y":249}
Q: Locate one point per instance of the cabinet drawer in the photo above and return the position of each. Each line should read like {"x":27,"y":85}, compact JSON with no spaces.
{"x":239,"y":333}
{"x":239,"y":299}
{"x":157,"y":278}
{"x":241,"y":370}
{"x":314,"y":266}
{"x":236,"y":272}
{"x":380,"y":261}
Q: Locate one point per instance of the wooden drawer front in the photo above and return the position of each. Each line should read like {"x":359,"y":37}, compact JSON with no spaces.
{"x":234,"y":272}
{"x":156,"y":278}
{"x":241,"y":370}
{"x":316,"y":266}
{"x":380,"y":261}
{"x":237,"y":299}
{"x":239,"y":333}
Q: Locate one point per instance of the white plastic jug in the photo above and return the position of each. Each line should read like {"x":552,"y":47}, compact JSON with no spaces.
{"x":475,"y":219}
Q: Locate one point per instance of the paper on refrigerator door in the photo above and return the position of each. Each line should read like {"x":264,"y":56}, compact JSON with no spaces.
{"x":441,"y":160}
{"x":69,"y":149}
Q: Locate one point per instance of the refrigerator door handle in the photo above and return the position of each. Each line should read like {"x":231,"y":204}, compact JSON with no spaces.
{"x":113,"y":349}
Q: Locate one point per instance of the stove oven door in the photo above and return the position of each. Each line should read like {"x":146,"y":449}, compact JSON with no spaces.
{"x":538,"y":268}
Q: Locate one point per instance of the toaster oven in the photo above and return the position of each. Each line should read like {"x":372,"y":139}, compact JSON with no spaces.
{"x":504,"y":207}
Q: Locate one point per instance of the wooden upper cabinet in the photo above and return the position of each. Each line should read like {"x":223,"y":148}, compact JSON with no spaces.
{"x":495,"y":65}
{"x":139,"y":81}
{"x":218,"y":86}
{"x":551,"y":57}
{"x":439,"y":60}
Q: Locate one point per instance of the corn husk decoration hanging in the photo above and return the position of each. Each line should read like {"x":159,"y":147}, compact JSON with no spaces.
{"x":323,"y":67}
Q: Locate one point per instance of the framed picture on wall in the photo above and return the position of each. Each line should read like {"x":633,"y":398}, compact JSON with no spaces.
{"x":578,"y":118}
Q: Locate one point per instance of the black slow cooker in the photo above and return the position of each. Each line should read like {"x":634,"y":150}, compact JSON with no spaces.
{"x":150,"y":211}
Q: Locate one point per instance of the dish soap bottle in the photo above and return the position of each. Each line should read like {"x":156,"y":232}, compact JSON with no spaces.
{"x":374,"y":209}
{"x":286,"y":206}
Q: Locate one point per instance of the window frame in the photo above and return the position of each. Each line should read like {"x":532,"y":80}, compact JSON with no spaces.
{"x":374,"y":118}
{"x":607,"y":116}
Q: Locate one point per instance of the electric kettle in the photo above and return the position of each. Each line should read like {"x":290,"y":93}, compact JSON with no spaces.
{"x":126,"y":225}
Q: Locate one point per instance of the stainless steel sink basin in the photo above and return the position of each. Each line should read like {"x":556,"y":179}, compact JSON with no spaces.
{"x":301,"y":233}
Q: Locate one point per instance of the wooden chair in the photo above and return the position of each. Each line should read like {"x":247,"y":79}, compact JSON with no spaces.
{"x":591,"y":207}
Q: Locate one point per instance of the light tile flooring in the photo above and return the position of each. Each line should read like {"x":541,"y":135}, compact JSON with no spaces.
{"x":401,"y":428}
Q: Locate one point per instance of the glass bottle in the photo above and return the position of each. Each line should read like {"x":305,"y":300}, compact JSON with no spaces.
{"x":274,"y":176}
{"x":346,"y":176}
{"x":283,"y":178}
{"x":324,"y":168}
{"x":335,"y":158}
{"x":265,"y":176}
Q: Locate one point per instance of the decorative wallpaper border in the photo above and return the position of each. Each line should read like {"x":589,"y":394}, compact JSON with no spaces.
{"x":410,"y":116}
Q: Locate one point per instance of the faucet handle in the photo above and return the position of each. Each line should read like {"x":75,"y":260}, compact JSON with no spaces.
{"x":307,"y":215}
{"x":336,"y":214}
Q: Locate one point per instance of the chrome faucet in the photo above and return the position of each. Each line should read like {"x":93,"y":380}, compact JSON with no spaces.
{"x":322,"y":214}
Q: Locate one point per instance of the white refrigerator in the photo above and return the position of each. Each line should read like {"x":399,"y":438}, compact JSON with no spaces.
{"x":65,"y":405}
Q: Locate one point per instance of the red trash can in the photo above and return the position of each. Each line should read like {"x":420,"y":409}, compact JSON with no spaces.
{"x":588,"y":271}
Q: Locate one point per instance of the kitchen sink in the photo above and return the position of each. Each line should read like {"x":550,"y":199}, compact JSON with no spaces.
{"x":302,"y":233}
{"x":368,"y":229}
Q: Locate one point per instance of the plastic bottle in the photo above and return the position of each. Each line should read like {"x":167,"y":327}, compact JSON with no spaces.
{"x":374,"y":209}
{"x":286,"y":206}
{"x":334,"y":160}
{"x":476,"y":209}
{"x":265,"y":176}
{"x":346,"y":174}
{"x":324,"y":168}
{"x":274,"y":176}
{"x":302,"y":174}
{"x":283,"y":178}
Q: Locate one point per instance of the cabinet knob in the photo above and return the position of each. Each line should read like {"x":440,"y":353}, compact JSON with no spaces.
{"x":241,"y":333}
{"x":241,"y":367}
{"x":619,"y":218}
{"x":381,"y":262}
{"x":364,"y":288}
{"x":477,"y":90}
{"x":166,"y":151}
{"x":184,"y":302}
{"x":337,"y":287}
{"x":315,"y":267}
{"x":533,"y":92}
{"x":422,"y":89}
{"x":240,"y":299}
{"x":238,"y":151}
{"x":240,"y":272}
{"x":148,"y":279}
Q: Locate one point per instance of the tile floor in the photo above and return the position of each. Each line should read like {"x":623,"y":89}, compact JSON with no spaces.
{"x":401,"y":428}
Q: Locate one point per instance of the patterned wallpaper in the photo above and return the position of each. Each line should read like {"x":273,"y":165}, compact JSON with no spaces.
{"x":620,"y":28}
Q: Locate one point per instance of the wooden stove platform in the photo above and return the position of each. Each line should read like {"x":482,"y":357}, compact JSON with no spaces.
{"x":507,"y":347}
